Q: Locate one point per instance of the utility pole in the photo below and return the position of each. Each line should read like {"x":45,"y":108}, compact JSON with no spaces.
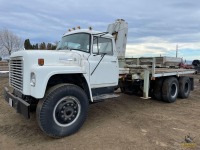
{"x":176,"y":50}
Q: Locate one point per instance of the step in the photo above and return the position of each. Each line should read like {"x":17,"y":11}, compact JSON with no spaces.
{"x":105,"y":96}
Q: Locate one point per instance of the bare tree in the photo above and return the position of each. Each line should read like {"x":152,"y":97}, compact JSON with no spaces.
{"x":9,"y":42}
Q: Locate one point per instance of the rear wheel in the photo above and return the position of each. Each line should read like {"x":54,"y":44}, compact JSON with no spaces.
{"x":63,"y":110}
{"x":184,"y":87}
{"x":157,"y":90}
{"x":170,"y":89}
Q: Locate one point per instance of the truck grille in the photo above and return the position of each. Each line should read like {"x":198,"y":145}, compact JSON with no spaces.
{"x":16,"y":73}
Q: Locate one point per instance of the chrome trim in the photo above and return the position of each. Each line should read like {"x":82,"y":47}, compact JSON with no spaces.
{"x":16,"y":73}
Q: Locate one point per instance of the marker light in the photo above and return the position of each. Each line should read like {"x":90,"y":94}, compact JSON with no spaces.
{"x":78,"y":27}
{"x":90,"y":28}
{"x":40,"y":61}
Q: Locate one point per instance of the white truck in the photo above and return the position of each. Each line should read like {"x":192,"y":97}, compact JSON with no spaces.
{"x":84,"y":69}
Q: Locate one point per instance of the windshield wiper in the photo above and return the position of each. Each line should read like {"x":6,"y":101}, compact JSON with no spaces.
{"x":64,"y":48}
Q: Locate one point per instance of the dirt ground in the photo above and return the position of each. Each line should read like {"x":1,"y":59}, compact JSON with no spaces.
{"x":126,"y":122}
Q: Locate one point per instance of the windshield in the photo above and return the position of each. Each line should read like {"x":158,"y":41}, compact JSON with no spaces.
{"x":78,"y":41}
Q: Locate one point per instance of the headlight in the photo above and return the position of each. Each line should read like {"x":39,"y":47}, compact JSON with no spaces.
{"x":33,"y":79}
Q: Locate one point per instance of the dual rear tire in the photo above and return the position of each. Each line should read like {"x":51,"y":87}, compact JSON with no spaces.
{"x":184,"y":87}
{"x":170,"y":88}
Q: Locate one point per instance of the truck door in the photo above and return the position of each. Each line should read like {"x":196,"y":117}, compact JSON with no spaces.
{"x":104,"y":69}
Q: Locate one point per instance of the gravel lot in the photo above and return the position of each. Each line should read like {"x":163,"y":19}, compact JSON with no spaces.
{"x":126,"y":122}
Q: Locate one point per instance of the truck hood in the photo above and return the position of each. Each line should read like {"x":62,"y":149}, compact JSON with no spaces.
{"x":52,"y":57}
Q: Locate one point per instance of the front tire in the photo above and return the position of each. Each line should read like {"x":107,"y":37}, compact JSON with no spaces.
{"x":62,"y":111}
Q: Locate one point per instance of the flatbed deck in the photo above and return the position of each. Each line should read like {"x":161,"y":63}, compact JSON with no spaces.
{"x":151,"y":64}
{"x":156,"y":72}
{"x":160,"y":72}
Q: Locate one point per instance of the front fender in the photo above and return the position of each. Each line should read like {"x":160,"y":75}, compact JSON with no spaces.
{"x":44,"y":73}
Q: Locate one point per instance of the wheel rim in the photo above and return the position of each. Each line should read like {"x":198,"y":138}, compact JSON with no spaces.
{"x":186,"y":88}
{"x":173,"y":90}
{"x":66,"y":111}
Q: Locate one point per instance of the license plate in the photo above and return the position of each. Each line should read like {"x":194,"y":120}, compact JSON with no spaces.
{"x":10,"y":102}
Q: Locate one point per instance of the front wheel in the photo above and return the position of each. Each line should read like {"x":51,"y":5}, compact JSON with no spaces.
{"x":63,"y":110}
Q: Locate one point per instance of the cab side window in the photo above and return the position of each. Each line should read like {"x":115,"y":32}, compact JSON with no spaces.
{"x":102,"y":45}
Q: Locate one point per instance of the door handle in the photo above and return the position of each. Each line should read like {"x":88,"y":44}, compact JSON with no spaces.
{"x":114,"y":61}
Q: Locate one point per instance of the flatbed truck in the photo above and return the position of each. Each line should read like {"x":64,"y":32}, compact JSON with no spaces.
{"x":86,"y":67}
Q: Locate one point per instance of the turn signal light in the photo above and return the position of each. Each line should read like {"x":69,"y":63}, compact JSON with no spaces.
{"x":40,"y":61}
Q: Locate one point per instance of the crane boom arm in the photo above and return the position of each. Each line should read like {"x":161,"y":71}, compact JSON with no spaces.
{"x":119,"y":29}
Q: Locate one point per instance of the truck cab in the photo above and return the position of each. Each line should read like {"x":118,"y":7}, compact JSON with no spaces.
{"x":61,"y":83}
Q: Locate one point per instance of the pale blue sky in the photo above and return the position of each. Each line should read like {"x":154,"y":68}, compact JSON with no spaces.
{"x":155,"y":26}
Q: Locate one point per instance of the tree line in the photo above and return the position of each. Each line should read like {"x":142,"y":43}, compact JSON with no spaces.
{"x":9,"y":42}
{"x":41,"y":46}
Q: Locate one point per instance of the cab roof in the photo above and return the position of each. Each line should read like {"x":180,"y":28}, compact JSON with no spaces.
{"x":93,"y":32}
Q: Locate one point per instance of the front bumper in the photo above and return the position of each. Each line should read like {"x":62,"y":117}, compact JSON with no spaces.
{"x":17,"y":103}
